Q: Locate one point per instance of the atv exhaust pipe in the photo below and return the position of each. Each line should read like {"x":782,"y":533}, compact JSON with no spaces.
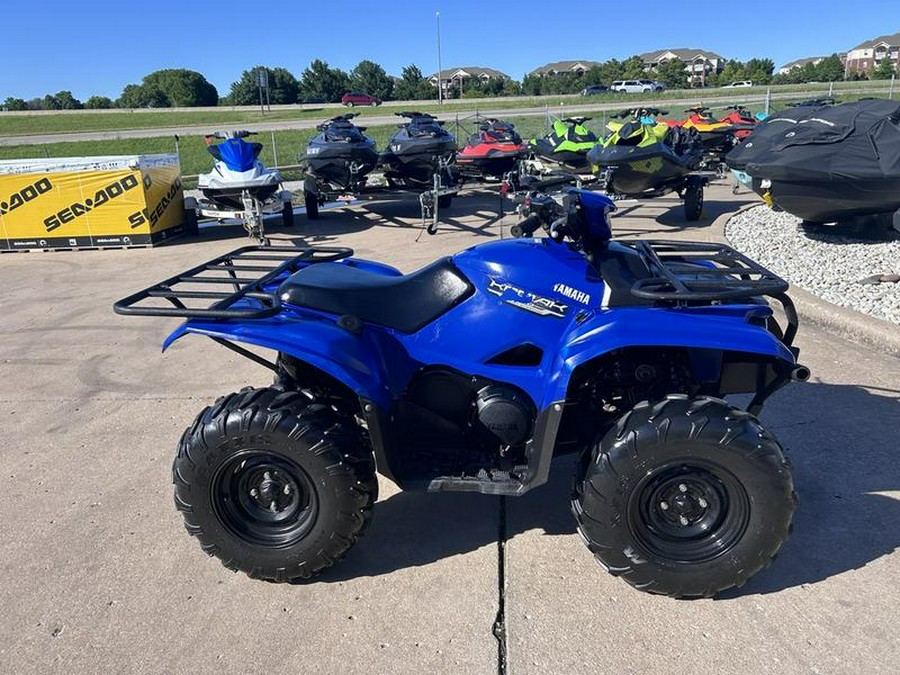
{"x":800,"y":374}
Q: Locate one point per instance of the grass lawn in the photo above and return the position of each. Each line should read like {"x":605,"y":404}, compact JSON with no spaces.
{"x":17,"y":125}
{"x":288,"y":144}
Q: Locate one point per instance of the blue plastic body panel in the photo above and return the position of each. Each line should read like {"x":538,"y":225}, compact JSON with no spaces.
{"x":237,"y":154}
{"x":513,"y":280}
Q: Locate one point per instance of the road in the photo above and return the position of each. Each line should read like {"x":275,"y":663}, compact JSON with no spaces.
{"x":464,"y":109}
{"x":99,"y":575}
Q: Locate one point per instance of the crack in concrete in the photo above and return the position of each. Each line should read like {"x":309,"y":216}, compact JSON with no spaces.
{"x":499,"y":628}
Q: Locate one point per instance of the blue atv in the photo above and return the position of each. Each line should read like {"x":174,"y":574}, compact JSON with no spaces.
{"x":473,"y":373}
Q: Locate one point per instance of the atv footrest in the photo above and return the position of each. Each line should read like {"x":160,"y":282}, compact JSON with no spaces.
{"x":248,"y":297}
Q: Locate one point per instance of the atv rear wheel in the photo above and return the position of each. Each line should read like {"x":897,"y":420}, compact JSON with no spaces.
{"x":693,"y":202}
{"x":311,"y":199}
{"x":685,"y":497}
{"x":274,"y":485}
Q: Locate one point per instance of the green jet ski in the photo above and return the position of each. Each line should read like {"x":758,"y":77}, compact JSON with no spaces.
{"x":565,"y":147}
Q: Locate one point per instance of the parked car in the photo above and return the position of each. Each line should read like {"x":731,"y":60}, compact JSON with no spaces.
{"x":594,"y":89}
{"x":735,"y":85}
{"x":637,"y":86}
{"x":357,"y":98}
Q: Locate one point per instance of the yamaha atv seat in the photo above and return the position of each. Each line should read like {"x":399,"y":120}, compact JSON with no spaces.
{"x":405,"y":303}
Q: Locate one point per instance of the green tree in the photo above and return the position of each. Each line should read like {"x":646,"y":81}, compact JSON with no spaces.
{"x":183,"y":88}
{"x":413,"y":86}
{"x":49,"y":102}
{"x":320,"y":80}
{"x":733,"y":71}
{"x":759,"y":70}
{"x":532,"y":85}
{"x":67,"y":101}
{"x":283,"y":87}
{"x":633,"y":68}
{"x":673,"y":74}
{"x":98,"y":102}
{"x":884,"y":70}
{"x":830,"y":69}
{"x":14,"y":104}
{"x":371,"y":78}
{"x":143,"y":96}
{"x":609,"y":71}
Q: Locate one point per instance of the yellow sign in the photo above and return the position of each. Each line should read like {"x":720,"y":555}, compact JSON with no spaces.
{"x":90,"y":202}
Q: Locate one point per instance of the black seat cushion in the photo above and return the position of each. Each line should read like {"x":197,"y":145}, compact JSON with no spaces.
{"x":404,"y":303}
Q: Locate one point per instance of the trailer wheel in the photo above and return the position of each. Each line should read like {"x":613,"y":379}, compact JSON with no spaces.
{"x":287,"y":214}
{"x":685,"y":497}
{"x":273,"y":484}
{"x":191,"y":228}
{"x":693,"y":202}
{"x":312,"y":205}
{"x":444,"y":201}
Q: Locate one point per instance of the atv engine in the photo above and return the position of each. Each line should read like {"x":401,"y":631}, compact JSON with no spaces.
{"x":464,"y":424}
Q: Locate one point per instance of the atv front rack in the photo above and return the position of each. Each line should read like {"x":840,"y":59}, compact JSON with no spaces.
{"x":246,"y":271}
{"x":685,"y":272}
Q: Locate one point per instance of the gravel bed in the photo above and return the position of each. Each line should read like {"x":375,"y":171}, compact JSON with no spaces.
{"x":828,"y":265}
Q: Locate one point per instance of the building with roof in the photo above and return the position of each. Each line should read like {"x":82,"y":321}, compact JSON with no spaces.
{"x":577,"y":67}
{"x":699,"y":63}
{"x":450,"y":77}
{"x":865,"y":57}
{"x":799,"y":63}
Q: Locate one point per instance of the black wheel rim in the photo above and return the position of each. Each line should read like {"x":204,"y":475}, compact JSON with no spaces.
{"x":265,"y":499}
{"x":688,"y":511}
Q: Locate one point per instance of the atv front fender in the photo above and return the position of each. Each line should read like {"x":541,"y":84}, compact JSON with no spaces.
{"x":323,"y":344}
{"x":720,"y":328}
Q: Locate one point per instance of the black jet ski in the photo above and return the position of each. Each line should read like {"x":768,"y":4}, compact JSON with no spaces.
{"x":565,"y":147}
{"x":826,"y":164}
{"x":340,"y":155}
{"x":418,"y":151}
{"x":492,"y":152}
{"x":645,"y":158}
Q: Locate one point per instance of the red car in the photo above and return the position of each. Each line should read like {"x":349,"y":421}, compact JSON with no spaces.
{"x":355,"y":98}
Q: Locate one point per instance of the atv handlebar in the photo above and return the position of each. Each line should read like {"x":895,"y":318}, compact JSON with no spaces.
{"x":527,"y":227}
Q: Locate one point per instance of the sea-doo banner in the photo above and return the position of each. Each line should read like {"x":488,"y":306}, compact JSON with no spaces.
{"x":90,"y":202}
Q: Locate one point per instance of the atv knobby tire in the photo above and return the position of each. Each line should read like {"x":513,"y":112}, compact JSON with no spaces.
{"x":273,"y":484}
{"x":685,"y":497}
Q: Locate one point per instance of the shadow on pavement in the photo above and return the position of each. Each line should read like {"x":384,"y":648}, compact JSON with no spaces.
{"x":841,"y":440}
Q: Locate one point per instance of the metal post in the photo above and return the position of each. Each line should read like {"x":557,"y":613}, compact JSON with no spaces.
{"x":768,"y":99}
{"x":274,"y":151}
{"x":891,"y":89}
{"x":830,"y":89}
{"x":177,"y":148}
{"x":437,"y":16}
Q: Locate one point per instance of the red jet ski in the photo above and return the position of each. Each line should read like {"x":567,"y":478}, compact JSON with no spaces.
{"x":492,"y":152}
{"x":742,"y":120}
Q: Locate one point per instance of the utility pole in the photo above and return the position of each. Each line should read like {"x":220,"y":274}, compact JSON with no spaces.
{"x":437,"y":16}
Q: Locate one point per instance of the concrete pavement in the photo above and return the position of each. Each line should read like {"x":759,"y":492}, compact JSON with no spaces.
{"x":99,"y":576}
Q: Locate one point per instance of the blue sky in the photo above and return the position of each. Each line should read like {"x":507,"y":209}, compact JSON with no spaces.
{"x":99,"y":46}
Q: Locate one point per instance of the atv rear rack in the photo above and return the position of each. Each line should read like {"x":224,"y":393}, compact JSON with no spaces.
{"x":258,"y":266}
{"x":686,"y":272}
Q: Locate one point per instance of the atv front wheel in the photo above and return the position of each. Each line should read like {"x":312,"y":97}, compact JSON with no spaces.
{"x":685,"y":497}
{"x":274,"y":485}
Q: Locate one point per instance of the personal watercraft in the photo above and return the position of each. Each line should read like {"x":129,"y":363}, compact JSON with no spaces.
{"x":492,"y":152}
{"x":742,"y":121}
{"x":421,"y":149}
{"x":826,"y":163}
{"x":340,"y":155}
{"x":642,"y":157}
{"x":239,"y":186}
{"x":565,"y":147}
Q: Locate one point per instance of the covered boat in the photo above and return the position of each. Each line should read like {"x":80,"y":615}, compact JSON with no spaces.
{"x":826,"y":164}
